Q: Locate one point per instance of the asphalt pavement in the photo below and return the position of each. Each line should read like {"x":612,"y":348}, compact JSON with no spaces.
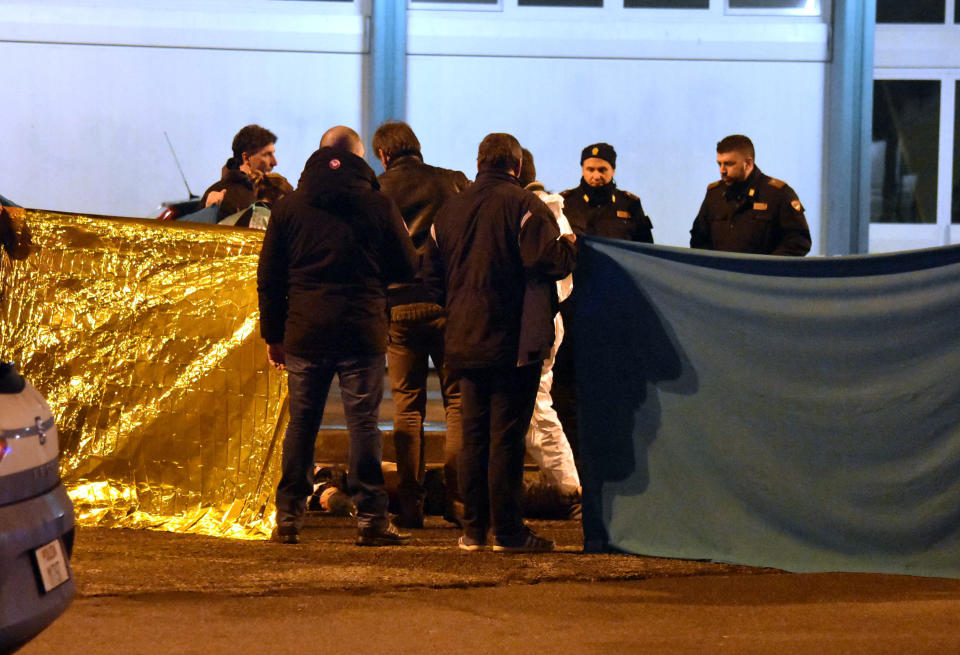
{"x":155,"y":592}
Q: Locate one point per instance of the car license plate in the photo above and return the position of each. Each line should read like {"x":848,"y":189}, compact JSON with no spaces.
{"x":54,"y":570}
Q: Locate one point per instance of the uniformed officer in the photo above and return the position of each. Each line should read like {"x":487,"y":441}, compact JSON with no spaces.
{"x":747,"y":211}
{"x":597,"y":207}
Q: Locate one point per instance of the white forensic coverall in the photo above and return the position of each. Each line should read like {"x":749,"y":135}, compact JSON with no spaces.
{"x":545,"y":440}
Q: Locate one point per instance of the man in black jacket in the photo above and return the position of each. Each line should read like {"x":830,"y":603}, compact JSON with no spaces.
{"x":747,"y":211}
{"x":596,"y":207}
{"x":329,"y":251}
{"x":417,"y":320}
{"x":502,"y":253}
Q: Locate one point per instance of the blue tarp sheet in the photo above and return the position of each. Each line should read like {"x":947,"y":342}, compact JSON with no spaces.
{"x":802,"y":414}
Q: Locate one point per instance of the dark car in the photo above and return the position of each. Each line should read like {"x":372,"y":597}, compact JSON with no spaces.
{"x":36,"y":515}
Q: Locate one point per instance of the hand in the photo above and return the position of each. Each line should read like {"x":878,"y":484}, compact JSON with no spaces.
{"x":277,"y":356}
{"x":215,"y":197}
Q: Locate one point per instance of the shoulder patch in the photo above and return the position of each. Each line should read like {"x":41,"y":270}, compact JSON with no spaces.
{"x":714,"y":185}
{"x":777,"y":184}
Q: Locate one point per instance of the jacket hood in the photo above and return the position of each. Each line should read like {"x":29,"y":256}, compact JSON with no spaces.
{"x":331,"y":173}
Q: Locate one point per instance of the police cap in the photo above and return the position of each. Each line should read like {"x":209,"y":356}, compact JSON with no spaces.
{"x":602,"y":151}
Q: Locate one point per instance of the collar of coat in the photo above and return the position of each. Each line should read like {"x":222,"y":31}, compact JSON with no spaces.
{"x":742,"y":189}
{"x":491,"y":174}
{"x":598,"y":195}
{"x":236,"y":176}
{"x":405,"y":158}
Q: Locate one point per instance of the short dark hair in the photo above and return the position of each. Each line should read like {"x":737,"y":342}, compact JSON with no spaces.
{"x":736,"y":143}
{"x":528,"y":172}
{"x":249,"y":139}
{"x":395,"y":139}
{"x":501,"y":151}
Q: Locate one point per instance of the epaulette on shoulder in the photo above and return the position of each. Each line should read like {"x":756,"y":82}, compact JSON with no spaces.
{"x":629,"y":195}
{"x":567,"y":192}
{"x":775,"y":183}
{"x":714,"y":185}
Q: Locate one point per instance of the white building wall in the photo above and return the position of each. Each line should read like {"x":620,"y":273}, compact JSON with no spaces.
{"x":90,"y":88}
{"x":661,"y":86}
{"x":664,"y":117}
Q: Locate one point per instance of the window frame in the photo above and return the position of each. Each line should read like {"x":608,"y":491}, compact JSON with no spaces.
{"x":820,"y":8}
{"x":901,"y":236}
{"x":454,"y":5}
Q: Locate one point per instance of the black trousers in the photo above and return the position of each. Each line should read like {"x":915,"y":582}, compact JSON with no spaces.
{"x":411,"y":346}
{"x":496,"y":405}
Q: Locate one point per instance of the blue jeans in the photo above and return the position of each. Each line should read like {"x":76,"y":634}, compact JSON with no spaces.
{"x":361,"y":388}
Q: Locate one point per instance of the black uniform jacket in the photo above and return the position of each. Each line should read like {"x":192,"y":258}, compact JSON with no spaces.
{"x":419,"y":191}
{"x":329,"y":251}
{"x":501,"y":254}
{"x":761,"y":215}
{"x":606,"y":212}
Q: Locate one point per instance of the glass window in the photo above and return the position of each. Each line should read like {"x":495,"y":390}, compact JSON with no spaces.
{"x":914,"y":11}
{"x":955,"y":212}
{"x":805,"y":7}
{"x":560,"y":3}
{"x":454,"y":2}
{"x":667,"y":4}
{"x":905,"y":151}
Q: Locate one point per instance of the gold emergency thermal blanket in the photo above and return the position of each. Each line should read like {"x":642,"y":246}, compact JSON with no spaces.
{"x":143,"y":336}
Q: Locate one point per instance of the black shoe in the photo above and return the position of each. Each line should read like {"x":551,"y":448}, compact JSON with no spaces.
{"x":523,"y":542}
{"x":388,"y":536}
{"x":285,"y":534}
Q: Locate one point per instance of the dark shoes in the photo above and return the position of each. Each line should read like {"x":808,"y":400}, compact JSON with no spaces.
{"x":523,"y":542}
{"x":285,"y":534}
{"x":386,"y":536}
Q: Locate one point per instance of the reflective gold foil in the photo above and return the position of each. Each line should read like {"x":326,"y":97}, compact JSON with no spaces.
{"x":143,"y":337}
